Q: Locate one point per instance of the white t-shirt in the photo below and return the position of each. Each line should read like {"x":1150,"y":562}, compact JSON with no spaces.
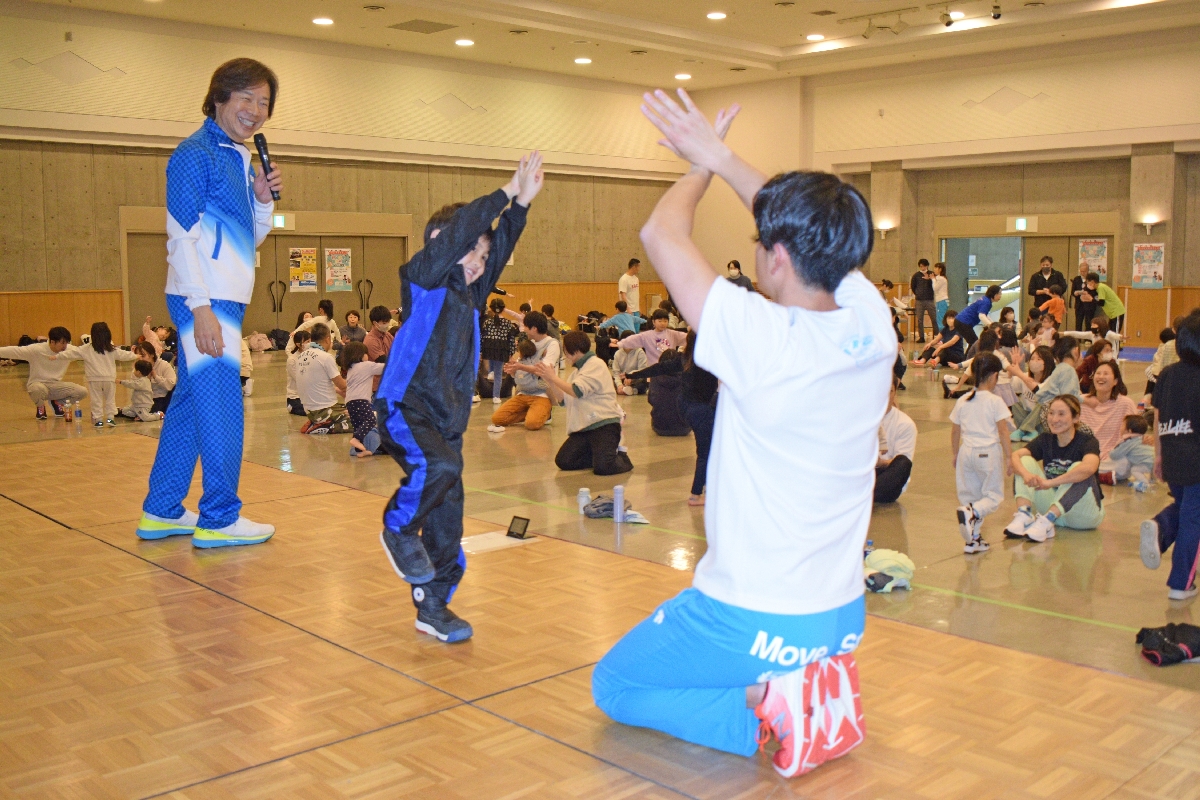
{"x":897,"y":435}
{"x":360,"y":380}
{"x":941,"y":289}
{"x":629,"y":285}
{"x":791,"y":474}
{"x":977,"y":417}
{"x":292,"y":393}
{"x":315,"y":371}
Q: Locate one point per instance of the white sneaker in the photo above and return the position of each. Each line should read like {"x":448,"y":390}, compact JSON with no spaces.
{"x":968,"y":523}
{"x":496,"y":401}
{"x":1182,"y":594}
{"x":628,"y":391}
{"x":495,"y":429}
{"x":248,"y":389}
{"x":152,"y":527}
{"x":475,"y":399}
{"x":242,"y":532}
{"x":1149,"y":546}
{"x":1040,"y":530}
{"x":976,"y":545}
{"x":1020,"y":521}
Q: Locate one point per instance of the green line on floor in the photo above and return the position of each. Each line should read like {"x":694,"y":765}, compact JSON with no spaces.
{"x":576,"y":511}
{"x":1030,"y":609}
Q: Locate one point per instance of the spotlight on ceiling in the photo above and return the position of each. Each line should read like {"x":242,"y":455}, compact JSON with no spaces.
{"x":716,"y":15}
{"x":815,"y":37}
{"x":871,"y":29}
{"x":583,"y":61}
{"x":464,"y":42}
{"x":322,"y":21}
{"x":996,"y":11}
{"x":900,"y":27}
{"x":946,"y":19}
{"x":683,"y":76}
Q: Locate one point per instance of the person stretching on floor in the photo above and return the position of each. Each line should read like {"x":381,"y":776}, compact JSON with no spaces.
{"x":897,"y":448}
{"x":655,"y":341}
{"x":162,"y":377}
{"x":766,"y":632}
{"x":424,"y":398}
{"x":593,"y":416}
{"x":45,"y":381}
{"x":529,"y":403}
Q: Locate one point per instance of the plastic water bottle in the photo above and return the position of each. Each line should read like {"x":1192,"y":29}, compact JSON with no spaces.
{"x":582,"y":498}
{"x":78,"y":410}
{"x":618,"y":503}
{"x":870,"y":548}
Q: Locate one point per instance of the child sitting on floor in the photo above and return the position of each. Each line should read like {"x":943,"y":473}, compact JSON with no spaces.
{"x":142,"y":402}
{"x":625,"y":362}
{"x":1133,"y":458}
{"x":360,"y":371}
{"x":300,"y":339}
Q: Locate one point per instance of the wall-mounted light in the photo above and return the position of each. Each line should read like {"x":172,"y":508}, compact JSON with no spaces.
{"x":883,"y":228}
{"x":1149,"y":221}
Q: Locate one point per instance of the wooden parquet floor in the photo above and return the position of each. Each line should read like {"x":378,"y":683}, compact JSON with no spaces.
{"x":292,"y":669}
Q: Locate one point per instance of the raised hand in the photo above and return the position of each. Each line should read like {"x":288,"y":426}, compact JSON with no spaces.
{"x":686,"y":131}
{"x":529,"y":178}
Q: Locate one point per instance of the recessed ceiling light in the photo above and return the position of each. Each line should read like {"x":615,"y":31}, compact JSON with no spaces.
{"x":716,"y":15}
{"x":815,"y":37}
{"x":583,"y":61}
{"x":372,"y":8}
{"x":322,"y":21}
{"x":784,"y":5}
{"x":683,"y":76}
{"x":463,"y":42}
{"x":737,"y":69}
{"x":519,"y":32}
{"x":957,"y":15}
{"x":637,"y":52}
{"x":1034,"y":5}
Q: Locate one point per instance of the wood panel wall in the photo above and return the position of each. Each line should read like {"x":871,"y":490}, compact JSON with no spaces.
{"x":35,"y":313}
{"x":59,"y":226}
{"x":573,"y":299}
{"x":1148,"y":311}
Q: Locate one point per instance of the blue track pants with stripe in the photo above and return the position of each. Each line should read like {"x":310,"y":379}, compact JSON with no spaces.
{"x":204,"y":421}
{"x":430,"y":498}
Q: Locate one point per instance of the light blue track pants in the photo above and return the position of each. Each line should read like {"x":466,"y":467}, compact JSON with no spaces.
{"x":684,"y":671}
{"x":204,"y":421}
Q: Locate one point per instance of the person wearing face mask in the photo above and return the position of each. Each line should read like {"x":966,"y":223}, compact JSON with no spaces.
{"x":1106,"y":406}
{"x":1041,"y":281}
{"x":424,"y":396}
{"x":1100,"y":352}
{"x":1082,"y":298}
{"x":734,"y":273}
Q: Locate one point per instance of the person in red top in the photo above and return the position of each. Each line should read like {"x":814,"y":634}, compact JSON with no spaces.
{"x":378,"y":340}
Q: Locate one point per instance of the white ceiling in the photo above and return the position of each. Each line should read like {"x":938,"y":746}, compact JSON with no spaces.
{"x":758,"y":40}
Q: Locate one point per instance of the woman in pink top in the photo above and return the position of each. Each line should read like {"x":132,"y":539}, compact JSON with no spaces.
{"x":1106,"y":406}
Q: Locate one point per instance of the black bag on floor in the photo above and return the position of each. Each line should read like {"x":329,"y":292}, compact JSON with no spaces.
{"x":1171,"y":644}
{"x":279,"y":338}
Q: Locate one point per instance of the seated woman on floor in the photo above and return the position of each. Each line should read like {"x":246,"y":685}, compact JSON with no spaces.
{"x":947,"y":347}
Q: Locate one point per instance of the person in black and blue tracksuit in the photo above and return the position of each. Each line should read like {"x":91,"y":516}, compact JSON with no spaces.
{"x":424,"y":396}
{"x":218,"y":212}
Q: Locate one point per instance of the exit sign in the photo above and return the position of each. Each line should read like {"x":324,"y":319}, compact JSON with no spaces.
{"x":283,"y":222}
{"x":1021,"y":224}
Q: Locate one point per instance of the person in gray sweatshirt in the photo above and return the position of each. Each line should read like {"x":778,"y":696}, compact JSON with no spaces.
{"x":142,"y":402}
{"x":45,"y":383}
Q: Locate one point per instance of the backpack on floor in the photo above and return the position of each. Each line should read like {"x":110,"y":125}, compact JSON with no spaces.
{"x":279,"y":338}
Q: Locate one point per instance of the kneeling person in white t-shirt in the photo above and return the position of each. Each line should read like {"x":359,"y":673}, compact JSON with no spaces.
{"x":766,"y":632}
{"x":319,"y":381}
{"x":897,"y":447}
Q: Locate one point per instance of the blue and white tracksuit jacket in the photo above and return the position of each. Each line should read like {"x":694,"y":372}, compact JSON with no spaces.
{"x":424,"y":396}
{"x":214,"y":226}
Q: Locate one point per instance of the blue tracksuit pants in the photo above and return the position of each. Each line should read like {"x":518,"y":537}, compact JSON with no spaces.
{"x":204,"y":421}
{"x":1179,"y":525}
{"x":684,"y":671}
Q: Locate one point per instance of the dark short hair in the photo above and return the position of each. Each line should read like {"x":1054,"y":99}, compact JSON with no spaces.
{"x":300,"y":337}
{"x":381,"y":314}
{"x":234,"y":76}
{"x":352,"y":353}
{"x":1164,"y":336}
{"x":734,"y":263}
{"x":660,"y":314}
{"x":1092,"y":278}
{"x":1064,"y":347}
{"x":1136,"y":423}
{"x":988,"y":340}
{"x":354,"y":313}
{"x":576,"y":342}
{"x":1008,"y":338}
{"x":924,"y":262}
{"x":526,"y":348}
{"x":633,"y":262}
{"x":536,"y":321}
{"x":1119,"y":388}
{"x":1045,"y":259}
{"x":823,"y":223}
{"x":525,"y":308}
{"x":668,"y":355}
{"x":1187,"y":338}
{"x":326,"y":305}
{"x":441,"y":218}
{"x":147,"y":349}
{"x":1055,"y":289}
{"x":625,"y":334}
{"x":1098,"y":347}
{"x":622,"y":306}
{"x":548,"y":309}
{"x":1101,"y":323}
{"x":59,"y":334}
{"x":142,"y":368}
{"x":887,"y":284}
{"x":319,"y":332}
{"x":993,"y":291}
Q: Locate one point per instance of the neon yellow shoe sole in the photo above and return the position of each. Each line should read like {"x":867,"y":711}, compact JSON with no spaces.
{"x":204,"y":537}
{"x":153,"y":529}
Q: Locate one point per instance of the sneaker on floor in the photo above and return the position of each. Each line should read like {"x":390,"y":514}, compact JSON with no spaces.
{"x":968,"y":523}
{"x":319,"y":429}
{"x":98,"y":423}
{"x":628,"y":391}
{"x":976,"y":545}
{"x":495,"y":429}
{"x":1040,"y":529}
{"x":475,"y":399}
{"x":1150,"y":546}
{"x":241,"y":532}
{"x":1020,"y":521}
{"x":1182,"y":594}
{"x":59,"y":409}
{"x":407,"y":555}
{"x":248,"y":388}
{"x":112,"y":423}
{"x":435,"y":618}
{"x":41,"y":412}
{"x":1017,"y":436}
{"x":152,"y":527}
{"x":497,"y":401}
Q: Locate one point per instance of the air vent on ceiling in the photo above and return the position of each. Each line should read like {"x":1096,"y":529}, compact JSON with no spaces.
{"x":421,"y":26}
{"x":824,"y":13}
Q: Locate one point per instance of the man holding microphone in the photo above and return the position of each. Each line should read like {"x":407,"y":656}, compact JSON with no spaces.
{"x":218,"y":212}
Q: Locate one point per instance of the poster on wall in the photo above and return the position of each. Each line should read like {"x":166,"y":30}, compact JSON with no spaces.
{"x":1095,"y":253}
{"x":337,"y":269}
{"x":1148,"y":265}
{"x":302,"y":269}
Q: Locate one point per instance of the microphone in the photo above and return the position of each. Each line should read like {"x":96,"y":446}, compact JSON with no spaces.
{"x":260,"y":142}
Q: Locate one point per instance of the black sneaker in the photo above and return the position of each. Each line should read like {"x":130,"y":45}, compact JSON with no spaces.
{"x":435,"y":618}
{"x":406,"y":552}
{"x":41,"y":412}
{"x":59,"y":410}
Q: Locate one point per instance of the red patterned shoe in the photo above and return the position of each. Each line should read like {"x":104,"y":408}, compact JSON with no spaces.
{"x":815,"y":714}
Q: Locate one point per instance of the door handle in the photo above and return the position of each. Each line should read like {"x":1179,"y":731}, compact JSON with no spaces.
{"x":277,"y":297}
{"x":365,"y":297}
